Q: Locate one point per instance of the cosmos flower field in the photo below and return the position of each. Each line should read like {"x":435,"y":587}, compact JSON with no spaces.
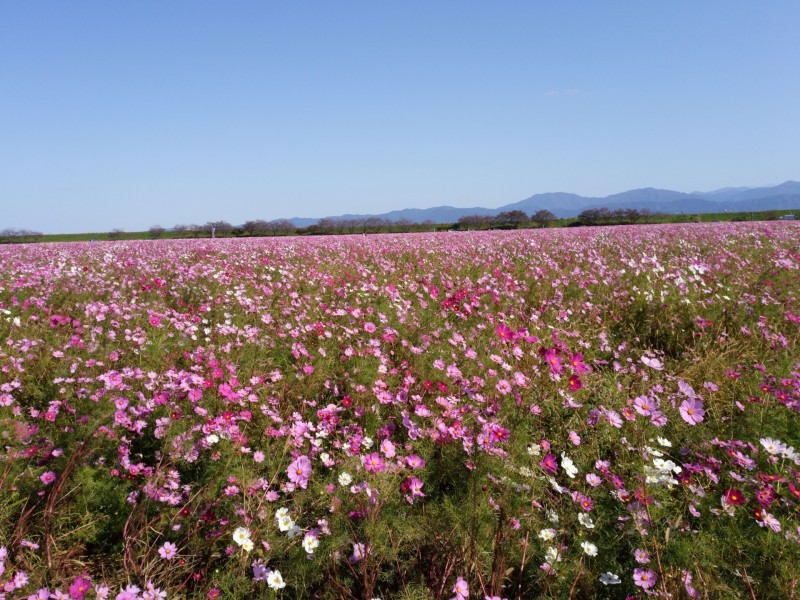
{"x":585,"y":413}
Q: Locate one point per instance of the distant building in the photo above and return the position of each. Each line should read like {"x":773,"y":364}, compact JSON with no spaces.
{"x":788,"y":217}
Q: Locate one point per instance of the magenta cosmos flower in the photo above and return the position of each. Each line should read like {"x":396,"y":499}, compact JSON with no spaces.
{"x":373,"y":463}
{"x":578,"y":366}
{"x":553,"y":360}
{"x":549,"y":464}
{"x":734,"y":497}
{"x":80,"y":587}
{"x":692,"y":411}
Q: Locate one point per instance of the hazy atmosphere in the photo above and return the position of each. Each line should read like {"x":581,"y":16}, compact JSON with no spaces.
{"x":126,"y":115}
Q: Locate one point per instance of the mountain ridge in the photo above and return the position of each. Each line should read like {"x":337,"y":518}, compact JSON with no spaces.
{"x":564,"y":204}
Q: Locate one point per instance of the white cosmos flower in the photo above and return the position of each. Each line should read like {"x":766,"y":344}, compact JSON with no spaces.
{"x":609,"y":579}
{"x":294,"y":531}
{"x":790,"y":453}
{"x":589,"y":548}
{"x":551,"y":555}
{"x":585,"y":520}
{"x":310,"y":543}
{"x":345,"y":478}
{"x":285,"y":523}
{"x":275,"y":581}
{"x":664,"y":442}
{"x":568,"y":466}
{"x":241,"y":535}
{"x":772,"y":446}
{"x":665,"y":465}
{"x":547,"y":534}
{"x":247,"y":545}
{"x":555,"y":485}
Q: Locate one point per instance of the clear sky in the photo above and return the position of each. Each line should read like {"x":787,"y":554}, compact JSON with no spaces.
{"x":130,"y":114}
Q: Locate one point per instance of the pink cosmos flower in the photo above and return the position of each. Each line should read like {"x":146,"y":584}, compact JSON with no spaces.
{"x":388,"y":448}
{"x":503,"y":386}
{"x":614,"y":419}
{"x":299,"y":471}
{"x":359,"y":552}
{"x":593,"y":479}
{"x":414,"y":486}
{"x":644,"y":405}
{"x":687,"y":584}
{"x":414,"y":461}
{"x":771,"y":522}
{"x":47,"y":477}
{"x":692,"y":411}
{"x":641,"y":556}
{"x":460,"y":589}
{"x":645,"y":579}
{"x":131,"y":592}
{"x":168,"y":551}
{"x":653,"y":363}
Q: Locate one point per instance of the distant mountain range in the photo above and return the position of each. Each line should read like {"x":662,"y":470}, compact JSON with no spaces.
{"x":783,"y":196}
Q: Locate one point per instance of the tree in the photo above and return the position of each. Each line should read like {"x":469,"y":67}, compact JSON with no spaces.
{"x":404,"y":224}
{"x":277,"y":226}
{"x":543,"y":217}
{"x":19,"y":236}
{"x":512,"y":217}
{"x":328,"y":225}
{"x":473,"y":221}
{"x":374,"y":223}
{"x":256,"y":227}
{"x":156,"y":231}
{"x":115,"y":234}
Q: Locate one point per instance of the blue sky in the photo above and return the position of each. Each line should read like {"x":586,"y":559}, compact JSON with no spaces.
{"x":130,"y":114}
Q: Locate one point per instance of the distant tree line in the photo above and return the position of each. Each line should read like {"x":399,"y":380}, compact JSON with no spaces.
{"x":618,"y":216}
{"x":261,"y":227}
{"x":510,"y":219}
{"x":19,"y":236}
{"x":363,"y":225}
